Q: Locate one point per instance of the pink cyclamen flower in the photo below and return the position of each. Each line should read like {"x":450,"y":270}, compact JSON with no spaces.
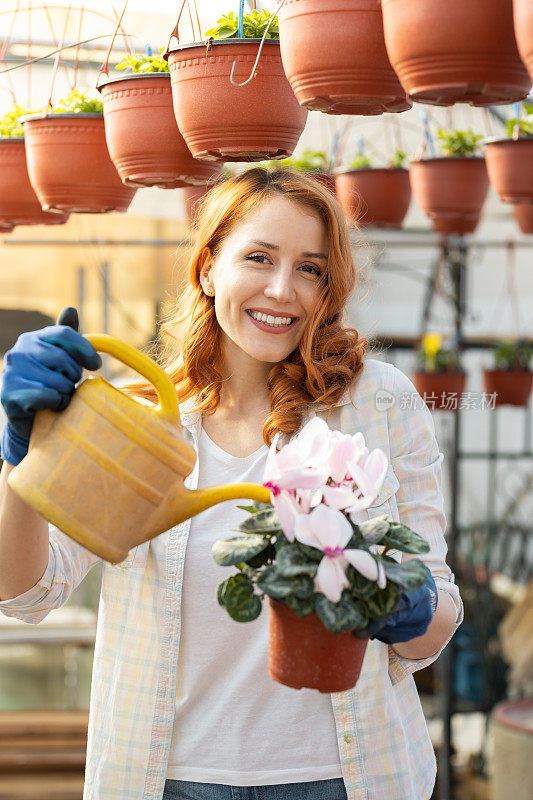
{"x":302,"y":463}
{"x":328,"y":530}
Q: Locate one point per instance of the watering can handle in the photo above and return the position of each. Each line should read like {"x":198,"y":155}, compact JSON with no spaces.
{"x":142,"y":364}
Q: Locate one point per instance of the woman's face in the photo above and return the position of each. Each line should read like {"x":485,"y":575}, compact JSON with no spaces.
{"x":271,"y":265}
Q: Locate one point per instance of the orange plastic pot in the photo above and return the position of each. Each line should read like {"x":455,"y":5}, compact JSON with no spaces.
{"x":455,"y":51}
{"x":69,"y":165}
{"x":455,"y":226}
{"x":142,"y":136}
{"x":451,"y":189}
{"x":440,"y":390}
{"x":523,"y":28}
{"x":512,"y":387}
{"x":377,"y":197}
{"x":523,"y":214}
{"x":18,"y":202}
{"x":510,"y":168}
{"x":223,"y":122}
{"x":303,"y":654}
{"x":335,"y":59}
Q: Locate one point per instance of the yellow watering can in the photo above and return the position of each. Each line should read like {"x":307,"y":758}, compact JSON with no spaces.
{"x":109,"y":471}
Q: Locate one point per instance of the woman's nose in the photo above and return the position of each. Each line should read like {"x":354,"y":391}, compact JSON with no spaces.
{"x":280,"y":286}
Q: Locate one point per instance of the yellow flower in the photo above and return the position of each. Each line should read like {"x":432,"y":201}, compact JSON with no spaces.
{"x":431,"y":344}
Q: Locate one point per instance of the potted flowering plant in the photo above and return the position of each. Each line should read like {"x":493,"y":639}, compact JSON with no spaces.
{"x":452,"y":188}
{"x":335,"y":59}
{"x":142,"y":136}
{"x":68,"y":161}
{"x":18,"y":202}
{"x":227,"y":106}
{"x":510,"y":160}
{"x":445,"y":53}
{"x":377,"y":196}
{"x":511,"y":378}
{"x":439,"y":378}
{"x":313,"y":162}
{"x":331,"y":581}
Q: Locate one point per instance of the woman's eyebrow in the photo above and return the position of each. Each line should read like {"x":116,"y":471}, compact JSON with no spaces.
{"x":276,"y":247}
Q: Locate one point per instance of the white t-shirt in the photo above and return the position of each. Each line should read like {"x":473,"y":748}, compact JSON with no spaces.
{"x":234,"y":724}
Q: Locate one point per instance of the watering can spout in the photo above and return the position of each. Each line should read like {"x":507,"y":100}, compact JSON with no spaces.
{"x":188,"y":503}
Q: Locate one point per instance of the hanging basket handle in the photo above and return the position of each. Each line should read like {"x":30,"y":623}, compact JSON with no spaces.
{"x":175,"y":32}
{"x":261,"y":43}
{"x":104,"y":69}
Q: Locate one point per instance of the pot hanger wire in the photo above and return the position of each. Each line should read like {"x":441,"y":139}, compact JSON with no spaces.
{"x":252,"y":74}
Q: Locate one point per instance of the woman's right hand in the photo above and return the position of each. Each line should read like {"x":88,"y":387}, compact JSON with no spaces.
{"x":40,"y":371}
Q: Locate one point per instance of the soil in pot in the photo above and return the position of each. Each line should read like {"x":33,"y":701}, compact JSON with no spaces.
{"x":142,"y":136}
{"x":303,"y":654}
{"x":510,"y":168}
{"x":18,"y":202}
{"x":440,"y":390}
{"x":335,"y":59}
{"x":69,"y":165}
{"x":523,"y":214}
{"x":512,"y":387}
{"x":455,"y":52}
{"x":222,"y":122}
{"x":377,"y":197}
{"x":450,"y":188}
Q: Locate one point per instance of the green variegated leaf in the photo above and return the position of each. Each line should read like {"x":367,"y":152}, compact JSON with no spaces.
{"x":360,"y":587}
{"x":409,"y":575}
{"x":302,"y":607}
{"x":278,"y":587}
{"x":383,"y":602}
{"x":373,"y":530}
{"x":400,"y":537}
{"x":250,"y":509}
{"x":264,"y":521}
{"x":239,"y":599}
{"x":312,"y":553}
{"x":221,"y":592}
{"x":291,"y":561}
{"x":346,"y":615}
{"x":229,"y":552}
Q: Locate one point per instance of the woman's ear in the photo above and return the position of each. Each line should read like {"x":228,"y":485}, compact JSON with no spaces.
{"x":206,"y":264}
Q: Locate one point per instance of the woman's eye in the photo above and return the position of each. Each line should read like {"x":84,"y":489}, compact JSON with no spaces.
{"x":261,"y":259}
{"x":256,"y":258}
{"x":317,"y":271}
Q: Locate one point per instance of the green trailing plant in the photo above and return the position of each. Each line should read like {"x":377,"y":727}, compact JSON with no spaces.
{"x":432,"y":357}
{"x":524,"y":124}
{"x":141,"y":64}
{"x":513,"y":355}
{"x":459,"y":143}
{"x":270,"y":565}
{"x":10,"y":126}
{"x":361,"y":161}
{"x":308,"y":161}
{"x":79,"y":102}
{"x":254,"y":24}
{"x":398,"y":159}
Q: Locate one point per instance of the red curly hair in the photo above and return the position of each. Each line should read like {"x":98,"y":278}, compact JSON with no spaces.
{"x":329,"y":356}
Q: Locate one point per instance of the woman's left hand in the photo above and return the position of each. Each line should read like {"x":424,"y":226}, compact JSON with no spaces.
{"x":413,"y":616}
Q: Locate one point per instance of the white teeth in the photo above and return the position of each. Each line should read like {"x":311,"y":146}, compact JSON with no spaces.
{"x":270,"y":320}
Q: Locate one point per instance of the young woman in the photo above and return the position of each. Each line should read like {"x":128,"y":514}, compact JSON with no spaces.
{"x":182,"y":705}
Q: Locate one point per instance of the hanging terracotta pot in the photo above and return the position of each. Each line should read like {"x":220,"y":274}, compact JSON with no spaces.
{"x":377,"y":197}
{"x":511,"y":386}
{"x":303,"y":654}
{"x":326,"y":179}
{"x":18,"y":202}
{"x":510,"y":168}
{"x":142,"y":136}
{"x":455,"y":51}
{"x":454,"y":226}
{"x":451,"y":189}
{"x":523,"y":214}
{"x":523,"y":28}
{"x":223,"y":122}
{"x":440,"y":390}
{"x":69,"y":164}
{"x":335,"y":59}
{"x":191,"y":196}
{"x":6,"y":227}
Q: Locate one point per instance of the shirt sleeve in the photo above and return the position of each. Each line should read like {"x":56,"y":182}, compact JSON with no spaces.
{"x":417,"y":463}
{"x":68,"y":563}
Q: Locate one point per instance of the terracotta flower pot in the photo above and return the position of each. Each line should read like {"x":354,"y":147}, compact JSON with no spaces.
{"x":451,"y":189}
{"x":455,"y":51}
{"x":510,"y":168}
{"x":523,"y":214}
{"x":303,"y":654}
{"x":440,"y":389}
{"x":69,"y":165}
{"x":377,"y":197}
{"x":512,"y":387}
{"x":523,"y":28}
{"x":191,"y":196}
{"x":6,"y":227}
{"x":335,"y":59}
{"x":142,"y":136}
{"x":325,"y":178}
{"x":18,"y":202}
{"x":456,"y":226}
{"x":220,"y":121}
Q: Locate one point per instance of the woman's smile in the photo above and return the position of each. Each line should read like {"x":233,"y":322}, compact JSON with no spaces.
{"x":269,"y":323}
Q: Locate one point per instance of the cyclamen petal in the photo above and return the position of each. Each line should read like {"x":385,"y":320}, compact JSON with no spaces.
{"x":364,"y":563}
{"x":330,"y":527}
{"x":314,"y":442}
{"x":287,"y":513}
{"x":338,"y":497}
{"x":331,"y":579}
{"x":304,"y":533}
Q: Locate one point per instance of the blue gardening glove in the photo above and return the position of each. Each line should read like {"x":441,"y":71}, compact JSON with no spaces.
{"x":41,"y":371}
{"x":412,"y":617}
